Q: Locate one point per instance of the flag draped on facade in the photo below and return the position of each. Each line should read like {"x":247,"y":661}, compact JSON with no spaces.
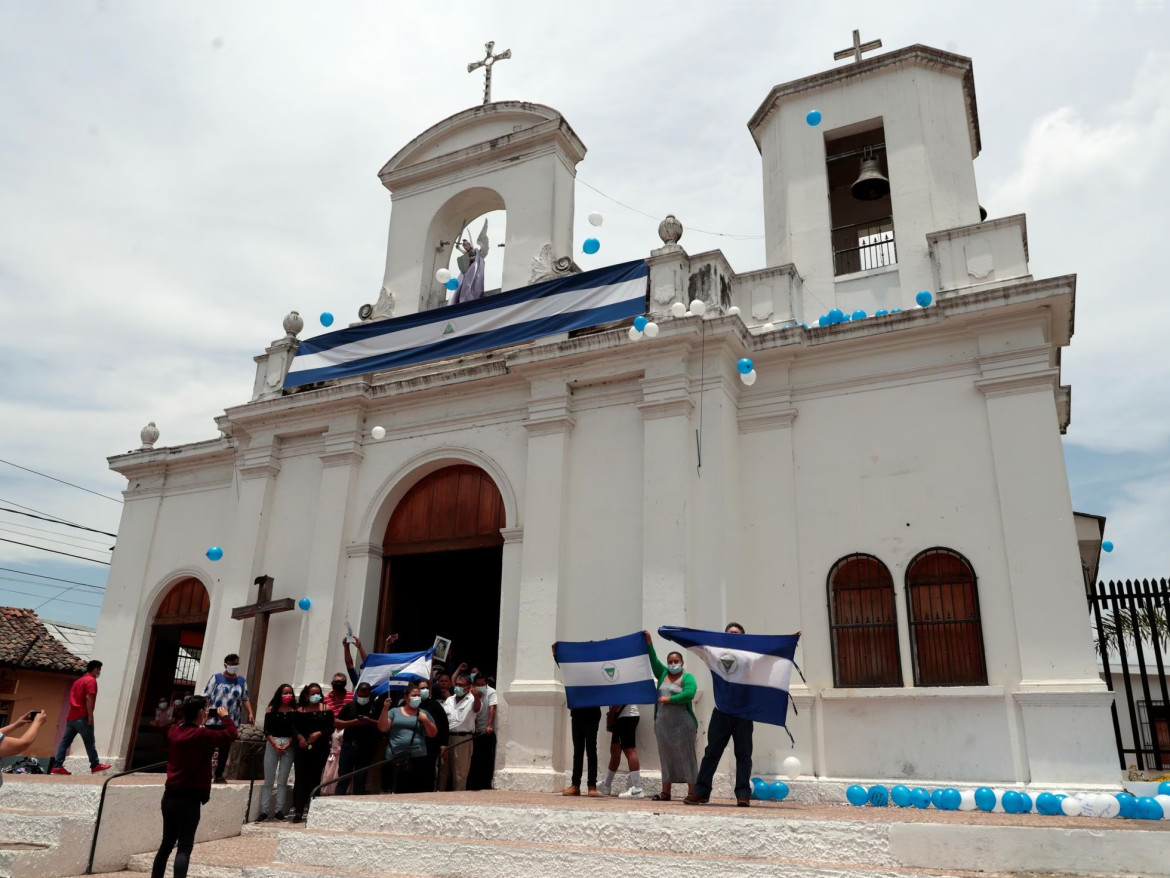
{"x":577,"y":301}
{"x":393,"y":670}
{"x":600,"y":673}
{"x":749,"y":672}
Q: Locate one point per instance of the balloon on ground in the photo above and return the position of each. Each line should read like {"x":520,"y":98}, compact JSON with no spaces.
{"x":792,"y":767}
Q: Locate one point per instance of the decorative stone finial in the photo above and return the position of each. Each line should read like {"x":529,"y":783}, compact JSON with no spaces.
{"x":293,"y":324}
{"x":149,"y":436}
{"x":670,"y":230}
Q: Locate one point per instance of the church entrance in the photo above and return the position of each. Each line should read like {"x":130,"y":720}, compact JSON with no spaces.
{"x":441,"y":571}
{"x":172,"y":660}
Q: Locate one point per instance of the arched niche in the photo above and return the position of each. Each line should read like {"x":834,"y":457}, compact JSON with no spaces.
{"x":462,"y":214}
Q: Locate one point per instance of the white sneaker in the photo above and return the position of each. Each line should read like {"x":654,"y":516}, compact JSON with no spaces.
{"x":604,"y":789}
{"x":631,"y":793}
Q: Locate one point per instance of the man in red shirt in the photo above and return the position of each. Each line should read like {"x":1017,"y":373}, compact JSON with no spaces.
{"x":338,"y":697}
{"x":79,"y":721}
{"x":189,"y":748}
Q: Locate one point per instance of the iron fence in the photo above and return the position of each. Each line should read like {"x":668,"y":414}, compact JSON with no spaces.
{"x":863,"y":246}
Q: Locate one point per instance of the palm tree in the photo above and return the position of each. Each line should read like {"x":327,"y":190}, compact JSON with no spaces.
{"x":1148,"y":624}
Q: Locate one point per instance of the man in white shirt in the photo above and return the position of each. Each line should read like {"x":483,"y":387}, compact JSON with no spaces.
{"x":461,"y":709}
{"x":483,"y":760}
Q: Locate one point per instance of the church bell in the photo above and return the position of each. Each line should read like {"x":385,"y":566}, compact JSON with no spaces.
{"x":870,"y":184}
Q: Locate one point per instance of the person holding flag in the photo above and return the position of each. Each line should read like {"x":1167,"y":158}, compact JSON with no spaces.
{"x":750,"y":675}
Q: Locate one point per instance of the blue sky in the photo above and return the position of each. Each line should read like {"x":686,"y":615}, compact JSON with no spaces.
{"x":174,"y":178}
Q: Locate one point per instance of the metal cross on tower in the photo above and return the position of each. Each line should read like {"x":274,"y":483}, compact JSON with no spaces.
{"x":487,"y":63}
{"x":857,"y":48}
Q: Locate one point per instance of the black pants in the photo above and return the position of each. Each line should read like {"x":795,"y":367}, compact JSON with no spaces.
{"x":483,"y":763}
{"x":354,"y":757}
{"x":720,"y":730}
{"x":416,"y":775}
{"x":585,"y":722}
{"x":309,"y":765}
{"x":180,"y":813}
{"x":221,"y":764}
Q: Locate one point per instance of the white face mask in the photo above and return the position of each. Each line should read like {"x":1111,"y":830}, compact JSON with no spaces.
{"x":231,"y":669}
{"x":415,"y":701}
{"x":425,"y":693}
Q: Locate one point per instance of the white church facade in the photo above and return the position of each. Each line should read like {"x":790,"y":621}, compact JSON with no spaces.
{"x":892,"y":487}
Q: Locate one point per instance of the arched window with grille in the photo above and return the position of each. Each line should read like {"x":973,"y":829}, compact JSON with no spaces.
{"x":946,"y":634}
{"x":863,"y":622}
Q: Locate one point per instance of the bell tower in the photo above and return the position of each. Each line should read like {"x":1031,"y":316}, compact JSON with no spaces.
{"x":505,"y":155}
{"x":860,"y":164}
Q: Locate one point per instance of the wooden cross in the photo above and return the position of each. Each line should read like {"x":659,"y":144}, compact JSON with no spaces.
{"x":264,"y":607}
{"x":857,"y":48}
{"x":486,"y":64}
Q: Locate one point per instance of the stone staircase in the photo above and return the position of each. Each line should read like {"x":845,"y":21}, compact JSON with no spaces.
{"x":45,"y":830}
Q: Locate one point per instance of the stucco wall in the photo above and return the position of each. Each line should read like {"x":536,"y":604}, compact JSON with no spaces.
{"x":40,"y":690}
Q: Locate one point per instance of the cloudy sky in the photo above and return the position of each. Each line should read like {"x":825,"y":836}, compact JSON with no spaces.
{"x":174,"y":178}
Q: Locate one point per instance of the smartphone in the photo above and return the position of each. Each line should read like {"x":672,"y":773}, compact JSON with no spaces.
{"x":32,"y":714}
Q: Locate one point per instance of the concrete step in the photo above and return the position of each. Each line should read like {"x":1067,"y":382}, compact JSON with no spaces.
{"x":48,"y":797}
{"x":28,"y":827}
{"x":143,"y":863}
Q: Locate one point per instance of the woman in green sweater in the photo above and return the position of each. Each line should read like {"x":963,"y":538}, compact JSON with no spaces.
{"x":675,"y":725}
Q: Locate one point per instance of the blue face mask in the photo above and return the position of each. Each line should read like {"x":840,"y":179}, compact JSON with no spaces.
{"x":458,"y":691}
{"x":674,"y":669}
{"x":415,"y":701}
{"x":314,"y":699}
{"x":363,"y":700}
{"x":425,"y":693}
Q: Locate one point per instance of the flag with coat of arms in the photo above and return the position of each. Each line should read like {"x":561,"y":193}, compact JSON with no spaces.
{"x":601,"y":673}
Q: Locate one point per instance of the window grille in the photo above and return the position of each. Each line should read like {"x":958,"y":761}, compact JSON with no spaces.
{"x":946,"y":634}
{"x":863,"y":622}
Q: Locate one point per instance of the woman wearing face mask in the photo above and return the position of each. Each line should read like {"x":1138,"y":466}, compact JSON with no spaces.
{"x":409,"y":727}
{"x":358,"y":721}
{"x":674,"y":722}
{"x":279,"y":732}
{"x":314,"y":727}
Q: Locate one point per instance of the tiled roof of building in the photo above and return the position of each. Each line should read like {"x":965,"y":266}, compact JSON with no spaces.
{"x":26,"y":643}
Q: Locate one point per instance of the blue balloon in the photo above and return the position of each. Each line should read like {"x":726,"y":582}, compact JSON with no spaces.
{"x":836,"y":315}
{"x":304,"y":603}
{"x":936,"y":799}
{"x":1108,"y":547}
{"x":1164,"y":788}
{"x":879,"y":797}
{"x":591,"y":246}
{"x":951,"y":799}
{"x":1025,"y":803}
{"x":846,"y":318}
{"x":640,"y":323}
{"x":744,"y":365}
{"x":326,"y":319}
{"x":859,"y":314}
{"x":880,"y":312}
{"x":919,"y":798}
{"x":895,"y":310}
{"x":779,"y":790}
{"x":856,"y":795}
{"x":758,"y":784}
{"x":764,"y":793}
{"x":1012,"y":803}
{"x":1046,"y":803}
{"x":214,"y":553}
{"x":984,"y":799}
{"x":1148,"y":808}
{"x":924,"y":298}
{"x":452,"y":284}
{"x":813,"y":118}
{"x":901,"y":795}
{"x":1128,"y":804}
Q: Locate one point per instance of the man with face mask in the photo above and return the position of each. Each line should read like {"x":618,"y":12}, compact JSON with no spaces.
{"x":228,"y":690}
{"x":79,"y":721}
{"x":483,"y":760}
{"x":337,"y":697}
{"x":433,"y":706}
{"x":461,"y":709}
{"x":358,"y":719}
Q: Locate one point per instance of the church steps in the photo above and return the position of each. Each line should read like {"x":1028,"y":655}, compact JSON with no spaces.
{"x":49,"y":798}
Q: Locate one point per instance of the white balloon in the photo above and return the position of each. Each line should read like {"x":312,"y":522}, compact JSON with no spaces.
{"x":678,"y":309}
{"x":733,"y":310}
{"x":1071,"y":806}
{"x":1110,"y":806}
{"x":378,"y":432}
{"x":698,"y":307}
{"x":596,"y":219}
{"x":688,"y":314}
{"x":750,"y":378}
{"x":634,"y":334}
{"x":967,"y":800}
{"x":442,"y":275}
{"x":651,"y":330}
{"x":998,"y":801}
{"x":1091,"y":805}
{"x":768,"y":327}
{"x":1164,"y":801}
{"x":792,"y":767}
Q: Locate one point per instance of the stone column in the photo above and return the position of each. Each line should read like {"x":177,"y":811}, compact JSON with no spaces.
{"x":534,"y":696}
{"x":320,"y":653}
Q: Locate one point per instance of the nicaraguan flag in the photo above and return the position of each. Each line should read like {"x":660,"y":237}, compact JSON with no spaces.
{"x":393,"y":670}
{"x":600,"y":673}
{"x":574,"y":302}
{"x":750,"y":672}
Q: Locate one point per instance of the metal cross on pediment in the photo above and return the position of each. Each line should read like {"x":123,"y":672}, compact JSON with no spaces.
{"x":857,"y":48}
{"x":264,"y":607}
{"x":487,"y":63}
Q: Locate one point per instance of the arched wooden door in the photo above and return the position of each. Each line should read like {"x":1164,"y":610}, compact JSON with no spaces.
{"x":172,"y":659}
{"x":441,"y":573}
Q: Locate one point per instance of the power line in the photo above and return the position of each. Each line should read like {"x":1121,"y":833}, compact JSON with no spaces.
{"x":659,"y":218}
{"x":54,"y":551}
{"x":54,"y":520}
{"x":61,"y":481}
{"x":31,"y":595}
{"x":54,"y":578}
{"x":100,"y":592}
{"x":74,"y":542}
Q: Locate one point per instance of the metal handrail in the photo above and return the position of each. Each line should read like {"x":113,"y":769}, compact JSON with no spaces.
{"x":317,"y":789}
{"x":102,"y":804}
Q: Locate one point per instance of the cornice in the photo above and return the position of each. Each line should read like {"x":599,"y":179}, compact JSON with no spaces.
{"x":363,"y":550}
{"x":512,"y":534}
{"x":1010,"y":385}
{"x":771,"y":413}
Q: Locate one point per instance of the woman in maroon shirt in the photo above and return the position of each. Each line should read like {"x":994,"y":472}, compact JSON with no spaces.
{"x":188,"y":787}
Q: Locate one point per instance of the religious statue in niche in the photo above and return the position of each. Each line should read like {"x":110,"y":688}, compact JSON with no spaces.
{"x":471,"y":269}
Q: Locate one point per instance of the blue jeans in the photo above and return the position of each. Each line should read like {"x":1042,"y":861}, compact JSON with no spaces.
{"x":73,"y":728}
{"x":721,"y":729}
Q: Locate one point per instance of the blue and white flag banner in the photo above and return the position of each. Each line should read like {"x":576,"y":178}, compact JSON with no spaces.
{"x":574,"y":302}
{"x":394,"y":670}
{"x":601,"y":673}
{"x":749,"y":672}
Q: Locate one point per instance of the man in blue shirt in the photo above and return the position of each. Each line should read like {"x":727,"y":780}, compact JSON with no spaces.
{"x":228,"y":690}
